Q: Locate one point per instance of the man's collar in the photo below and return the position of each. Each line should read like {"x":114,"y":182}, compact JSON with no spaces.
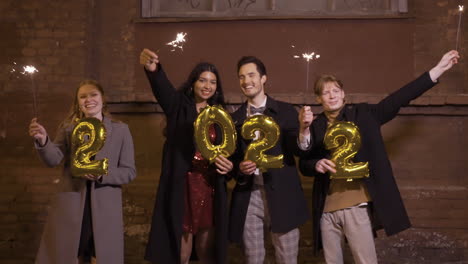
{"x":270,"y":104}
{"x":257,"y":106}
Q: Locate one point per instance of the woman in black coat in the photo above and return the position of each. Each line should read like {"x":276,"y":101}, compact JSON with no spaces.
{"x":191,"y":203}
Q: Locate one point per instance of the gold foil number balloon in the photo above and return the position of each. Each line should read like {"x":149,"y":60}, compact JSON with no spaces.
{"x":210,"y":115}
{"x":269,"y":134}
{"x":87,"y":139}
{"x":344,"y":141}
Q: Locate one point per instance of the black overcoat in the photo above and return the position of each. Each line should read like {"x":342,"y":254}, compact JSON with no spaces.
{"x":166,"y":226}
{"x":286,"y":202}
{"x":387,"y":208}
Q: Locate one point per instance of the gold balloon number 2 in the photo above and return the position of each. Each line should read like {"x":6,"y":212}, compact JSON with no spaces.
{"x":268,"y":136}
{"x":344,"y":141}
{"x":269,"y":133}
{"x":87,"y":139}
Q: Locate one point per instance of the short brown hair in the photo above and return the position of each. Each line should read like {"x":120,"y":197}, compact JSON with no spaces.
{"x":322,"y":80}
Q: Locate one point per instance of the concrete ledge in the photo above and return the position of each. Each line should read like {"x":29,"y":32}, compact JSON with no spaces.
{"x":450,"y":104}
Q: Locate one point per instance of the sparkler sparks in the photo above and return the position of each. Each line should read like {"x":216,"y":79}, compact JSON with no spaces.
{"x":13,"y":70}
{"x":310,"y":56}
{"x":29,"y":69}
{"x":178,"y":43}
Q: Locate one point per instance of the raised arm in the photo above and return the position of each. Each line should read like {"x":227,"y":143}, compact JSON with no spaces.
{"x":388,"y":108}
{"x":162,"y":88}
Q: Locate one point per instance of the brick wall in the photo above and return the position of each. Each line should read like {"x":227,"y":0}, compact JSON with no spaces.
{"x":70,"y":41}
{"x":51,"y":35}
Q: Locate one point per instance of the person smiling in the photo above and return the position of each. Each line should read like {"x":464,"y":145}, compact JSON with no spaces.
{"x":86,"y":222}
{"x":272,"y":200}
{"x":356,"y":209}
{"x":191,"y":202}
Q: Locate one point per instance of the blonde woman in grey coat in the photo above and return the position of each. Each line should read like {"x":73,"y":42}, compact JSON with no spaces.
{"x":85,"y":223}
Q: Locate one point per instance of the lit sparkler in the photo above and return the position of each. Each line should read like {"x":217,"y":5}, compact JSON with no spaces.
{"x":178,"y":43}
{"x":30,"y":70}
{"x":460,"y":9}
{"x":308,"y":57}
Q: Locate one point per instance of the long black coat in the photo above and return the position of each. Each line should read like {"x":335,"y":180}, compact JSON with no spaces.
{"x":166,"y":227}
{"x":284,"y":194}
{"x":387,"y":207}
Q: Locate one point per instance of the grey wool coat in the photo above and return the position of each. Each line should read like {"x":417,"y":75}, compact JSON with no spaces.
{"x":61,"y":236}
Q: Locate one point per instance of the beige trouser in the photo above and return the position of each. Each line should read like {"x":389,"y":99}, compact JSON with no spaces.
{"x":354,"y":224}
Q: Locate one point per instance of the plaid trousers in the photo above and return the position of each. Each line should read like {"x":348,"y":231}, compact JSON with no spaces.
{"x":257,"y":221}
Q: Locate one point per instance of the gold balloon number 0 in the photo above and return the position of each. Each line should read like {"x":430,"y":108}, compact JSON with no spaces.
{"x":344,"y":141}
{"x":269,"y":134}
{"x":209,"y":116}
{"x":87,"y":139}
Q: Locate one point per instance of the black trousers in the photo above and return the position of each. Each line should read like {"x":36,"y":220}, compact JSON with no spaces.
{"x":86,"y":249}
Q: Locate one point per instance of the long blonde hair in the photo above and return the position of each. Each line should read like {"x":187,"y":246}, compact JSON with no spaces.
{"x":75,"y":114}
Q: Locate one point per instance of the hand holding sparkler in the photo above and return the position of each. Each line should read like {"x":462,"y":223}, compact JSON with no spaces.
{"x":38,"y":132}
{"x":149,"y":59}
{"x":306,"y":117}
{"x":446,"y":62}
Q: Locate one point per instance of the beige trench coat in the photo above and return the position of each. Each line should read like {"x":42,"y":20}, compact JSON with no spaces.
{"x":60,"y":239}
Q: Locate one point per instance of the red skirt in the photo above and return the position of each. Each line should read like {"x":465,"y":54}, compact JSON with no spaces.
{"x":198,"y":197}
